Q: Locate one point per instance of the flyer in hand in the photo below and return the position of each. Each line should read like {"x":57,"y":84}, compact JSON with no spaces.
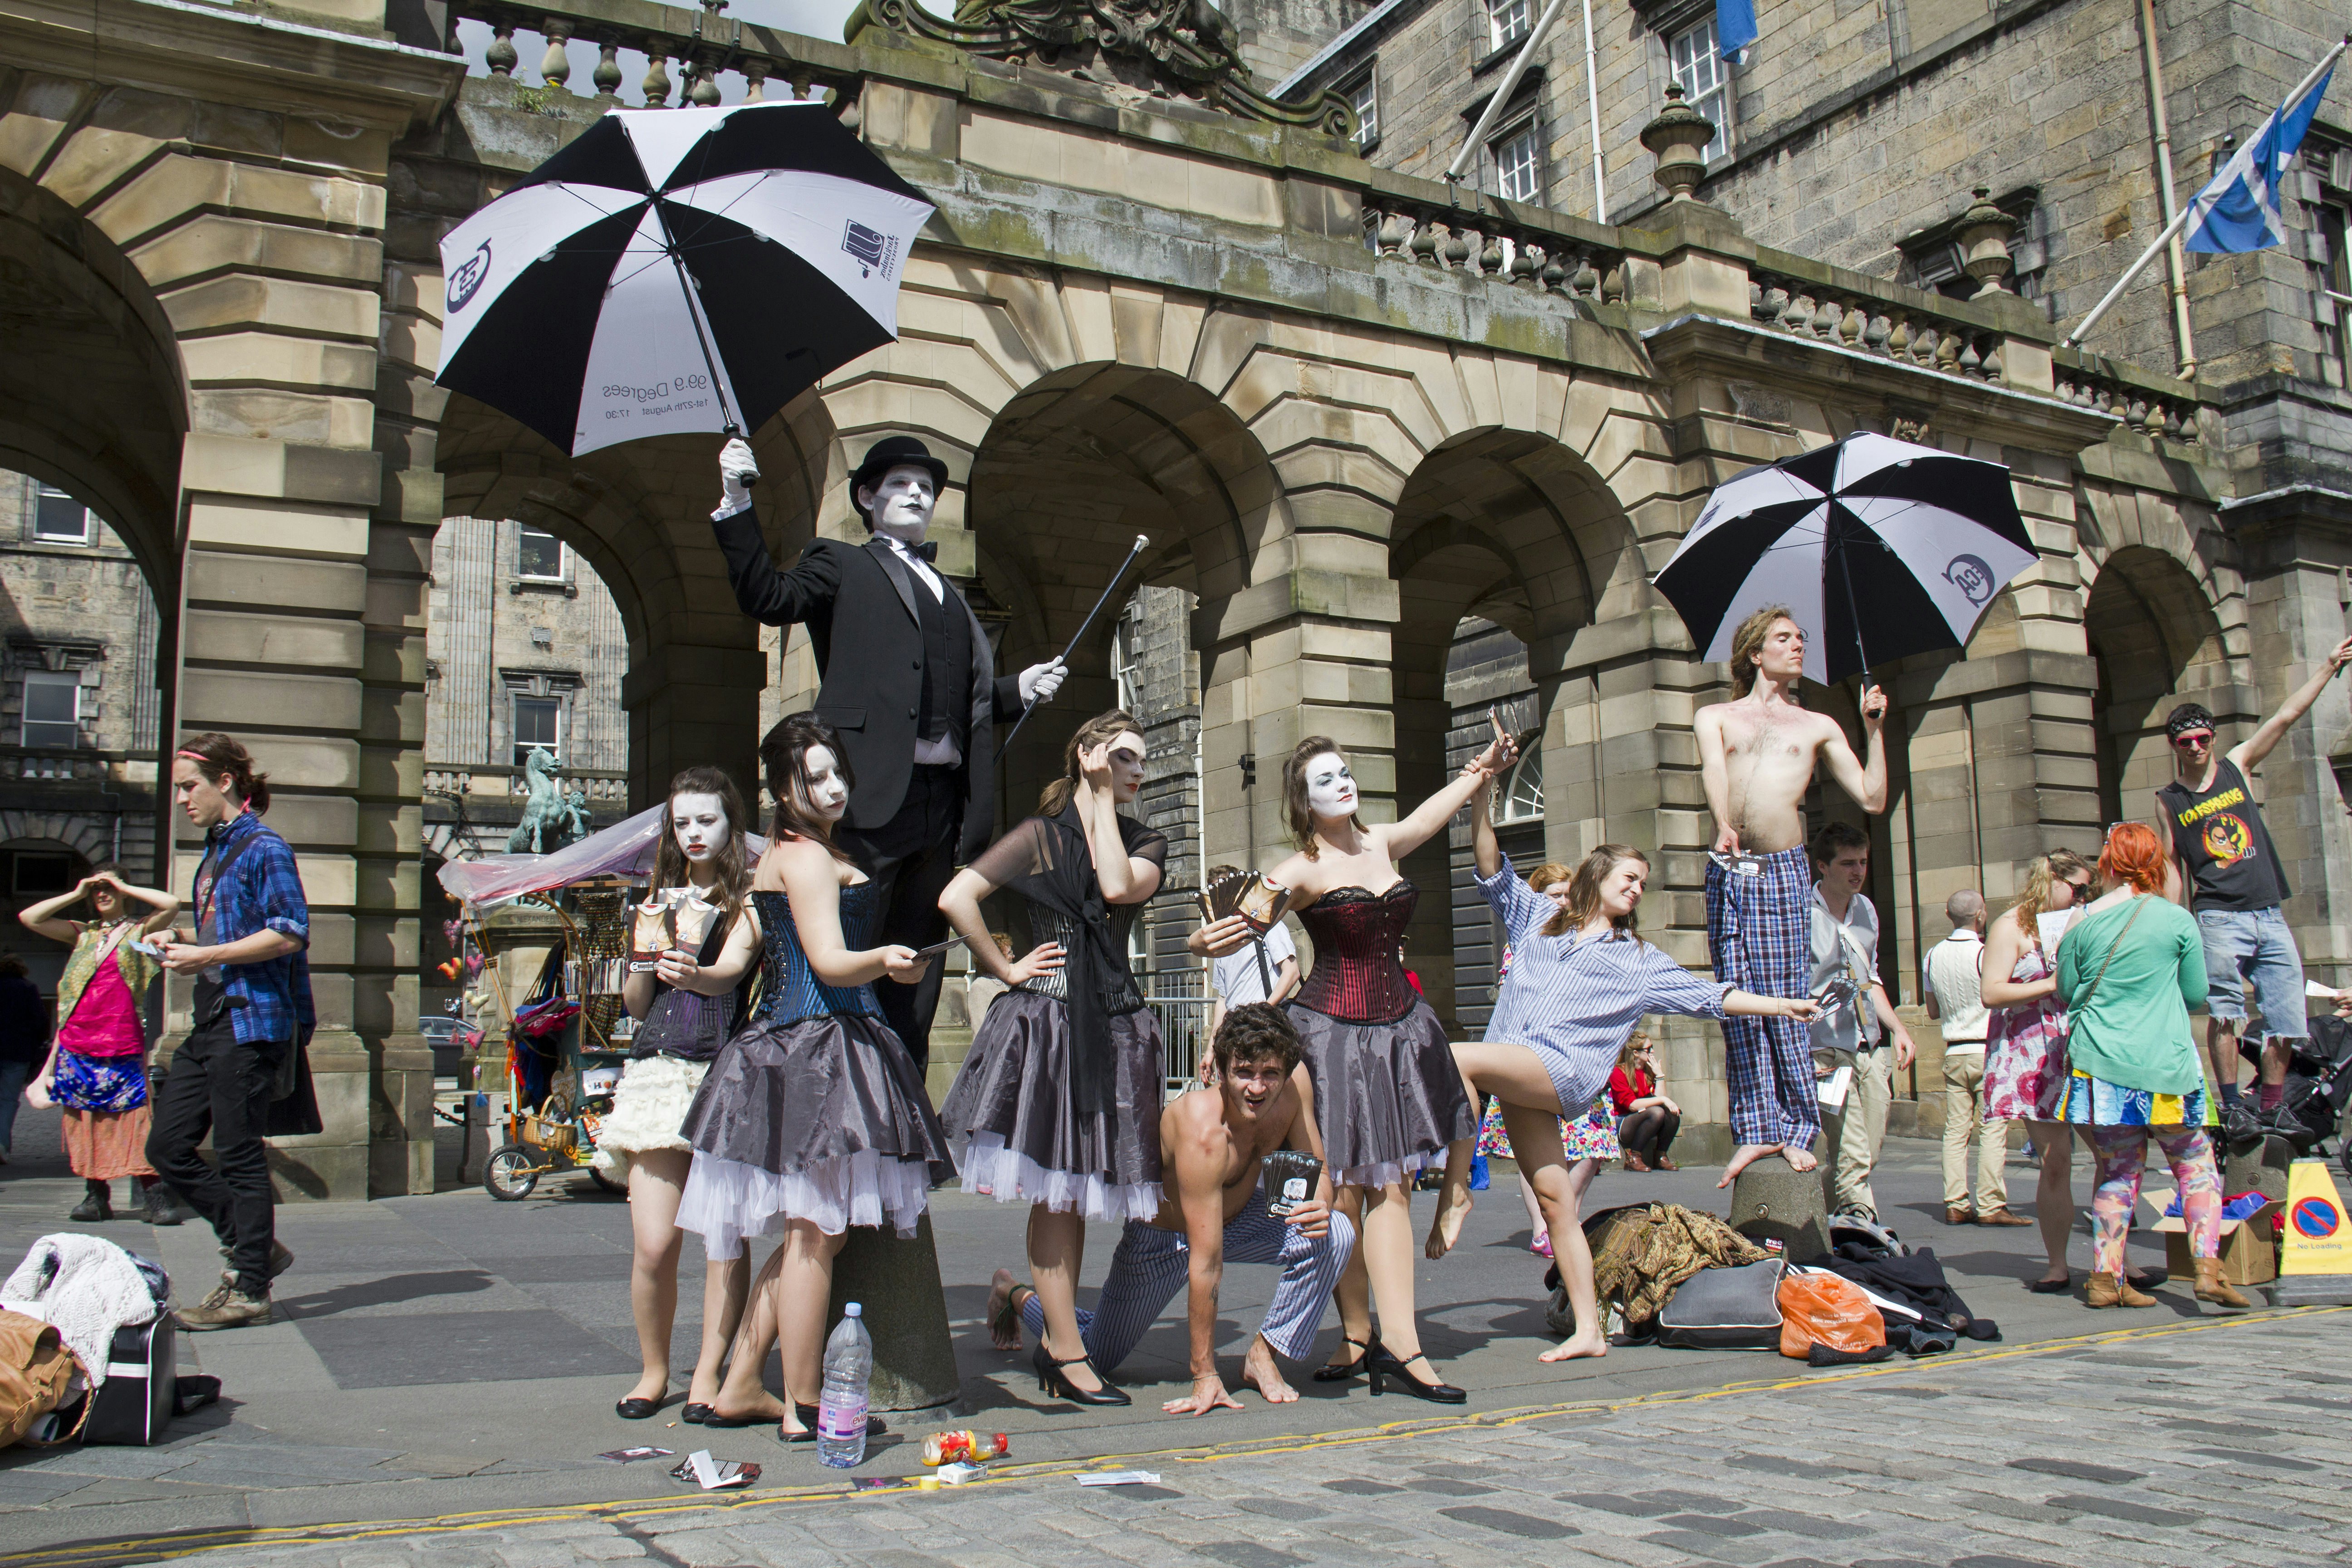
{"x":1256,"y":898}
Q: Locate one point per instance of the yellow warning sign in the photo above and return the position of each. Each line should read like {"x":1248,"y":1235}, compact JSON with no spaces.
{"x":2318,"y":1234}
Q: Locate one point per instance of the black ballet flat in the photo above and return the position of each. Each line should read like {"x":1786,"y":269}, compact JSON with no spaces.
{"x":694,"y":1414}
{"x":806,"y":1416}
{"x":2051,"y":1286}
{"x":1386,"y":1365}
{"x":635,"y":1409}
{"x":1332,"y":1372}
{"x":711,"y":1418}
{"x":1051,"y":1381}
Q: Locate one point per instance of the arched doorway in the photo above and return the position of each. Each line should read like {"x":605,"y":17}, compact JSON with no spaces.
{"x":2154,"y":641}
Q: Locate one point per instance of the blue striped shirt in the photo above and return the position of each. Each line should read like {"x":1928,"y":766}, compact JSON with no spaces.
{"x":1575,"y":999}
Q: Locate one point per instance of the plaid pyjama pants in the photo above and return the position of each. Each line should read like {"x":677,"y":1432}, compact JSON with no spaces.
{"x":1759,"y":937}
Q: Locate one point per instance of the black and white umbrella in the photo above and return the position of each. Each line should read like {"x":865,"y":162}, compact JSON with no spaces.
{"x":1879,"y":548}
{"x":676,"y":270}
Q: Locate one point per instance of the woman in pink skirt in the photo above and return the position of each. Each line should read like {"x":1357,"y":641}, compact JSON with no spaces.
{"x":2025,"y":1043}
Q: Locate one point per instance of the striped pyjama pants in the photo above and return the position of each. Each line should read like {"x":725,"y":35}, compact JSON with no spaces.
{"x":1760,"y":939}
{"x":1151,"y":1264}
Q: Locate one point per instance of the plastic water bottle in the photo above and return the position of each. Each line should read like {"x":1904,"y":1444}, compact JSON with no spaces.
{"x":841,"y":1413}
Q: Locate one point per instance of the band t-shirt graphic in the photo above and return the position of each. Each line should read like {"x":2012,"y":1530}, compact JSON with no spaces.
{"x":2220,"y":836}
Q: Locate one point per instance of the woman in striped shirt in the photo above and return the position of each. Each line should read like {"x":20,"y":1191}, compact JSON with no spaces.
{"x":1581,"y":978}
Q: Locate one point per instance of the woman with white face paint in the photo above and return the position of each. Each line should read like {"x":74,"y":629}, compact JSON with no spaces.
{"x":1060,"y":1095}
{"x":1386,"y":1090}
{"x":684,"y":1009}
{"x":814,"y":1118}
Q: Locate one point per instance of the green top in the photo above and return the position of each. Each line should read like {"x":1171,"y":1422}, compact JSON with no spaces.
{"x":2135,"y":1031}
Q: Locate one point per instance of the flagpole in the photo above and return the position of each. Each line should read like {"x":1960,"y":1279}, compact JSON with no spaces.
{"x":2181,"y":219}
{"x":1503,"y":91}
{"x":1593,"y":107}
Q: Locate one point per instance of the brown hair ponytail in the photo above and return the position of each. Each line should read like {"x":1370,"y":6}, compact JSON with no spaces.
{"x":224,"y":756}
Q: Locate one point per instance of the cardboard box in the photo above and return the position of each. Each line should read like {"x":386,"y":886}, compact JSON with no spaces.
{"x":2248,"y":1247}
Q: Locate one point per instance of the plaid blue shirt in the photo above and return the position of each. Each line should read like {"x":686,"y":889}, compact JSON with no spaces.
{"x":263,"y":891}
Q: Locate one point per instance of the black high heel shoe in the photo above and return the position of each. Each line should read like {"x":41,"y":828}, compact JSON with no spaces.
{"x":1332,"y":1372}
{"x":1385,"y":1364}
{"x":1051,"y":1381}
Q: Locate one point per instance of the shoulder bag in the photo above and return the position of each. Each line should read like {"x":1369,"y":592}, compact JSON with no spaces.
{"x":2058,"y":1052}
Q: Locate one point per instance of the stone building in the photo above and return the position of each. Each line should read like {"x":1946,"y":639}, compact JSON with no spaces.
{"x":78,"y":713}
{"x":1349,"y":414}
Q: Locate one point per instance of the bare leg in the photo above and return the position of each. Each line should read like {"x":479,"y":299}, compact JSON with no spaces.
{"x":802,"y":1287}
{"x":2053,"y":1195}
{"x":1057,"y":1245}
{"x":1454,"y":1200}
{"x":1536,"y":1221}
{"x":1389,"y":1261}
{"x":656,"y":1180}
{"x":742,"y":1394}
{"x":1260,"y":1372}
{"x":2221,"y":1050}
{"x":1004,"y":1326}
{"x":1513,"y":1074}
{"x":1354,"y":1295}
{"x":724,"y":1288}
{"x":1561,"y":1195}
{"x":1748,"y":1154}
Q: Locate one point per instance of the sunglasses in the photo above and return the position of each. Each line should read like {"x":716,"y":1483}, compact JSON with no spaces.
{"x":2196,"y":740}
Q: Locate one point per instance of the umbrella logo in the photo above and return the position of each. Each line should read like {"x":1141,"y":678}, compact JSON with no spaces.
{"x":874,"y":251}
{"x":1972,"y":577}
{"x":467,"y":281}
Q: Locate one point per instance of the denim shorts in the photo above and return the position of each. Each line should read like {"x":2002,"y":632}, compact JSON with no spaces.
{"x":2253,"y":947}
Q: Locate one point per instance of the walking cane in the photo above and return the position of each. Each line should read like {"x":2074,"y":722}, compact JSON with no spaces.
{"x":1142,"y":541}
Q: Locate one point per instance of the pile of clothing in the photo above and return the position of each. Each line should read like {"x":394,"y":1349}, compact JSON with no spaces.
{"x":78,"y":1313}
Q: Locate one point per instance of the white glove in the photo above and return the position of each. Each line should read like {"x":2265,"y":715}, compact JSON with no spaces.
{"x":1040,"y":681}
{"x":738,"y":472}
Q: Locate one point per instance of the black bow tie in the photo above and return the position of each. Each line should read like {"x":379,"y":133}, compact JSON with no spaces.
{"x":928,"y":551}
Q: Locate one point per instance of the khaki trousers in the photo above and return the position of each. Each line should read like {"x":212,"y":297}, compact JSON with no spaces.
{"x":1963,"y":1115}
{"x":1858,"y":1128}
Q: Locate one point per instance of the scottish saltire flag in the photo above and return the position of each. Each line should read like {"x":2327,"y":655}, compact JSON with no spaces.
{"x":1735,"y":28}
{"x":2239,"y":207}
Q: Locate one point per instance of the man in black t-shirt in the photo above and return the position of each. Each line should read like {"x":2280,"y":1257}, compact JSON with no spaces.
{"x":2221,"y":863}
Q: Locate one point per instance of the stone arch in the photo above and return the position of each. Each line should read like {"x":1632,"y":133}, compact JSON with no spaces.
{"x":2156,"y":639}
{"x":1512,"y":527}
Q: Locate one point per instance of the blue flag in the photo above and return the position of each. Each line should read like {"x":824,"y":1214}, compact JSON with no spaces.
{"x":1735,"y":28}
{"x":2239,"y":207}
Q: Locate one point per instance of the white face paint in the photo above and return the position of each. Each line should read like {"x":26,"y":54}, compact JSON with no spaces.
{"x":1331,"y":787}
{"x":700,"y":824}
{"x":900,"y":505}
{"x":828,"y":794}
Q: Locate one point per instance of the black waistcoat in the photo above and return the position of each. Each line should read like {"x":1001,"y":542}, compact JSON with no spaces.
{"x":947,"y":669}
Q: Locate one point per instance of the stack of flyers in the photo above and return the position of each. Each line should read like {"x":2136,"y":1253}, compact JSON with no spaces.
{"x":1229,"y":890}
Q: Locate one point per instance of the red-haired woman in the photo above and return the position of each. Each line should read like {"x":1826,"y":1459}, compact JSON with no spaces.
{"x":2129,"y":968}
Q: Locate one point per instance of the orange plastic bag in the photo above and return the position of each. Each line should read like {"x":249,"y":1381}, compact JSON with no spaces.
{"x":1824,"y":1310}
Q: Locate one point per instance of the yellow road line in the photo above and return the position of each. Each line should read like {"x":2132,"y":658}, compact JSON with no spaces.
{"x":188,"y":1543}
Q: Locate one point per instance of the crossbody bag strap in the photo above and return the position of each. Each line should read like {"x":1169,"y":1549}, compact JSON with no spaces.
{"x":2112,"y":946}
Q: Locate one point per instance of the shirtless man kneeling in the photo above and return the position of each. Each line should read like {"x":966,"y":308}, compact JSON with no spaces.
{"x":1213,"y":1144}
{"x":1756,"y":758}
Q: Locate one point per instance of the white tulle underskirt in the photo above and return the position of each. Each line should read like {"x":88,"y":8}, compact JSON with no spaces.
{"x":1387,"y":1172}
{"x":726,"y":1200}
{"x":991,"y":1170}
{"x":652,"y":1098}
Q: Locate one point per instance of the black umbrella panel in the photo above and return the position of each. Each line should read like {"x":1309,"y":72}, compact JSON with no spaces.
{"x":676,"y":270}
{"x":1879,"y":548}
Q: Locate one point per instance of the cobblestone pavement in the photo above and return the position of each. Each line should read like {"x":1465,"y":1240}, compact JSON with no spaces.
{"x":2187,"y":1443}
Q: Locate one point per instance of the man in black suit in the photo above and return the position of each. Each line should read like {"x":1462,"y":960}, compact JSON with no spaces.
{"x":907,"y":678}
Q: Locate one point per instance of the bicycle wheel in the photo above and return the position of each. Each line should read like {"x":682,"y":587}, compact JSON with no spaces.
{"x":508,"y":1173}
{"x":605,"y":1181}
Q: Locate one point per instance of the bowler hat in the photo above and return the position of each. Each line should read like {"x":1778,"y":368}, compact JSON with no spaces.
{"x":892,"y":452}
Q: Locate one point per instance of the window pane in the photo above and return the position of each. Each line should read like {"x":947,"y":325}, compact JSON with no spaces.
{"x":1519,"y":164}
{"x":52,"y":709}
{"x":537,"y":724}
{"x":1366,"y":100}
{"x":1699,"y":70}
{"x":1523,"y":798}
{"x":539,"y":555}
{"x":1510,"y":20}
{"x":57,"y":516}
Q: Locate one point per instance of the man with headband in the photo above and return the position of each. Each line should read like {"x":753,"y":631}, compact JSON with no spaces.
{"x":2221,"y":858}
{"x":907,"y":678}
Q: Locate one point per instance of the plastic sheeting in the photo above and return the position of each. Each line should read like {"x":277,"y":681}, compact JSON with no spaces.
{"x":625,"y":849}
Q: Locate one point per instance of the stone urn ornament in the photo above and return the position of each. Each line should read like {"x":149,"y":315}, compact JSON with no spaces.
{"x":1678,"y":139}
{"x":1984,"y":236}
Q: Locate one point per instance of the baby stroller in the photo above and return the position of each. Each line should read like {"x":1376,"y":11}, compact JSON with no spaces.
{"x":2318,"y":1095}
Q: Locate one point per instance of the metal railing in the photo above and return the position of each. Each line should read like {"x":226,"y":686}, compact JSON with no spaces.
{"x":1183,"y":1034}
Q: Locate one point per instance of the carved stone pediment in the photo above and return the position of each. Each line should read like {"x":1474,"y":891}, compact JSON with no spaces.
{"x":1137,"y":49}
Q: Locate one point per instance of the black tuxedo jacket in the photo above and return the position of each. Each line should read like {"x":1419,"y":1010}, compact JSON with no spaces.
{"x":859,"y":604}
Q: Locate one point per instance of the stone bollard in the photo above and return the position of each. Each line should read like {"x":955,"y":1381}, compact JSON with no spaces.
{"x":1770,"y":1200}
{"x":2262,"y":1168}
{"x":896,"y":1284}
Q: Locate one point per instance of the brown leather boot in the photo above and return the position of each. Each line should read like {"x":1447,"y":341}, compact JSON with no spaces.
{"x":2106,"y":1290}
{"x":2211,"y":1287}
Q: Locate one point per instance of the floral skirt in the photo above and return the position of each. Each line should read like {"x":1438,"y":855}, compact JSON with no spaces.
{"x":100,"y":1083}
{"x":2087,"y":1102}
{"x":1592,"y":1136}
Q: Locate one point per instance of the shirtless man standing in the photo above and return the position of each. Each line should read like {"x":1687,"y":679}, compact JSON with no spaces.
{"x":1756,"y":758}
{"x":1214,"y":1144}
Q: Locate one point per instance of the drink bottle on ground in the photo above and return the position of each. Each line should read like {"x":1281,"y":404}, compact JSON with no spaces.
{"x":841,"y":1414}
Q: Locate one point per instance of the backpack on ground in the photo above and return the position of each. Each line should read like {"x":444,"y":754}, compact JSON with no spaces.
{"x":1734,"y":1308}
{"x":35,"y":1370}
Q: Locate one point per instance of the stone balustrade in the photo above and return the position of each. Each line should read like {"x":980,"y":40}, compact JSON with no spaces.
{"x":605,"y":787}
{"x":702,"y":44}
{"x":2150,"y":405}
{"x":1530,"y":255}
{"x":1873,"y":323}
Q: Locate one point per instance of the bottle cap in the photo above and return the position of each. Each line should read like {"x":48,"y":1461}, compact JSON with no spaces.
{"x":853,"y":1311}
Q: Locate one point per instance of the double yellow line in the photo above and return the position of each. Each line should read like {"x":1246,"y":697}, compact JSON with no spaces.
{"x":185,"y":1543}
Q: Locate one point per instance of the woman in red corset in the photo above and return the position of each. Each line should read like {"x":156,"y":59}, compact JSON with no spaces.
{"x":1387,"y":1092}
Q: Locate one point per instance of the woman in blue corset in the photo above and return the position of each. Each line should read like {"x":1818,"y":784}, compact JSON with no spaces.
{"x":814,"y":1118}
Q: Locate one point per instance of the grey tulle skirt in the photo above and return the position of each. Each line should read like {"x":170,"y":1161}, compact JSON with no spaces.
{"x":823,"y":1121}
{"x":1026,"y":1138}
{"x":1388,"y":1095}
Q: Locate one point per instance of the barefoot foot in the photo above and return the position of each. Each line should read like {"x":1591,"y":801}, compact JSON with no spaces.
{"x":768,"y":1408}
{"x":1446,"y":1229}
{"x":1004,"y":1312}
{"x":1746,"y":1155}
{"x":1259,"y":1371}
{"x":1577,"y":1347}
{"x":1798,"y":1159}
